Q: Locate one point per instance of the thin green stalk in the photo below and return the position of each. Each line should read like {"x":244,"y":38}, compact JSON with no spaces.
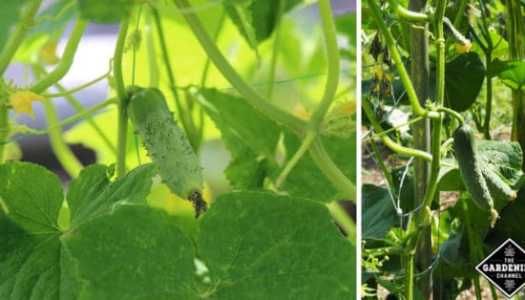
{"x":488,"y":104}
{"x":332,"y":53}
{"x":397,"y":127}
{"x":275,"y":50}
{"x":4,"y":128}
{"x":249,"y":94}
{"x":216,"y":34}
{"x":65,"y":156}
{"x":406,"y":14}
{"x":516,"y":34}
{"x":460,"y":13}
{"x":396,"y":57}
{"x":342,"y":218}
{"x":332,"y":171}
{"x":65,"y":62}
{"x":166,"y":58}
{"x":65,"y":93}
{"x":78,"y":107}
{"x":123,"y":99}
{"x":386,"y":173}
{"x":69,"y":120}
{"x":473,"y":245}
{"x":399,"y":149}
{"x":305,"y":145}
{"x":152,"y":55}
{"x":409,"y":277}
{"x":17,"y":37}
{"x":89,"y":119}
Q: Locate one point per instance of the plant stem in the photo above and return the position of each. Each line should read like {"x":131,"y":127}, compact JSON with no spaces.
{"x":64,"y":92}
{"x":409,"y":277}
{"x":331,"y":171}
{"x":460,"y":13}
{"x":473,"y":245}
{"x":71,"y":119}
{"x":167,"y":62}
{"x":4,"y":127}
{"x":396,"y":57}
{"x":332,"y":52}
{"x":123,"y":99}
{"x":305,"y":145}
{"x":488,"y":104}
{"x":250,"y":95}
{"x":40,"y":71}
{"x":516,"y":34}
{"x":342,"y":218}
{"x":397,"y":148}
{"x":16,"y":38}
{"x":275,"y":50}
{"x":65,"y":62}
{"x":89,"y":119}
{"x":207,"y":64}
{"x":65,"y":156}
{"x":406,"y":14}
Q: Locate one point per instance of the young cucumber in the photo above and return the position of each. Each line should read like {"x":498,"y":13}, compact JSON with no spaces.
{"x":469,"y":167}
{"x":167,"y":145}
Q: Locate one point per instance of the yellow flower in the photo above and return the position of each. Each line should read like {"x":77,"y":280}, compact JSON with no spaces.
{"x":22,"y":101}
{"x":463,"y":47}
{"x":48,"y":53}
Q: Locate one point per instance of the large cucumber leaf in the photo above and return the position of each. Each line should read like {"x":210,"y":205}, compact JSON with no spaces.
{"x":116,"y":247}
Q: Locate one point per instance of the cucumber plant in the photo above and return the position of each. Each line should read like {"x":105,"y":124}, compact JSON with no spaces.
{"x":184,"y":77}
{"x":447,"y":191}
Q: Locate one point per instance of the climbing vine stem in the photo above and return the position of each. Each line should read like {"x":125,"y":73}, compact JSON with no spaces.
{"x":123,"y":99}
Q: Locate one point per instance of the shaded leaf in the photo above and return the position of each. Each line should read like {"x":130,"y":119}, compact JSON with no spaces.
{"x":463,"y":80}
{"x":9,"y":15}
{"x":102,"y":11}
{"x":249,"y":136}
{"x":306,"y":179}
{"x":256,"y":19}
{"x":379,"y":214}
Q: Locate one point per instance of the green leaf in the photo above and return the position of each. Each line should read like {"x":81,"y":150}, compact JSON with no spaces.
{"x":9,"y":15}
{"x":306,"y":179}
{"x":508,"y":225}
{"x":85,"y":188}
{"x":263,"y":246}
{"x":463,"y":80}
{"x":102,"y":11}
{"x":29,"y":265}
{"x":32,"y":196}
{"x":134,"y":252}
{"x":256,"y":19}
{"x":511,"y":73}
{"x":132,"y":188}
{"x":87,"y":260}
{"x":248,"y":135}
{"x":504,"y":158}
{"x":379,"y":214}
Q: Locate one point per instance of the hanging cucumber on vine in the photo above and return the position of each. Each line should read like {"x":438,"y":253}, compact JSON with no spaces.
{"x":167,"y":145}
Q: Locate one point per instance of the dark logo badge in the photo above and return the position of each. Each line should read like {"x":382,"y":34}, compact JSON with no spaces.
{"x":505,"y":268}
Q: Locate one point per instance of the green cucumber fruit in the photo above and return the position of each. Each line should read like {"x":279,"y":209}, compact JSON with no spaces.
{"x":167,"y":144}
{"x":469,"y":167}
